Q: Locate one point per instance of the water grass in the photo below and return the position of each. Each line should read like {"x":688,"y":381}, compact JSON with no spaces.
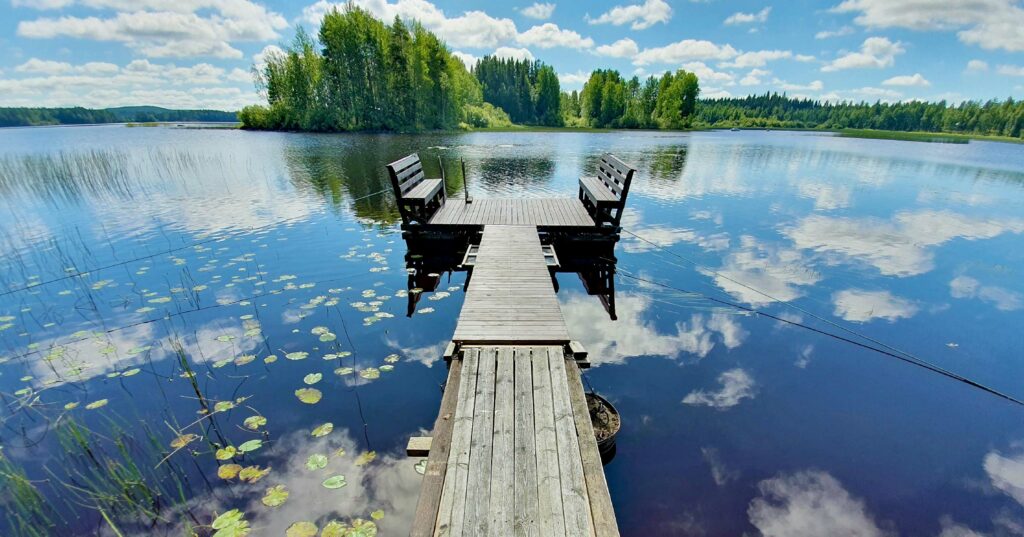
{"x":929,"y":137}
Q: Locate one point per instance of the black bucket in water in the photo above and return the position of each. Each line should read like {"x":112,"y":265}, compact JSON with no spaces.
{"x":606,"y":422}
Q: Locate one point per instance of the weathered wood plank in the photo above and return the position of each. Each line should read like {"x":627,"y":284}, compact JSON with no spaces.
{"x":575,"y":505}
{"x":601,"y":510}
{"x":526,"y":507}
{"x":428,"y":506}
{"x":451,"y":512}
{"x":503,"y":458}
{"x":478,"y":491}
{"x":549,"y":495}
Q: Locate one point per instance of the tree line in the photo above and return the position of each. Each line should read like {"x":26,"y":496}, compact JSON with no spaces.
{"x":32,"y":117}
{"x":994,"y":117}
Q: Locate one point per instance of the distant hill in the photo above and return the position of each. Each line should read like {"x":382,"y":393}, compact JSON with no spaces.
{"x":27,"y":117}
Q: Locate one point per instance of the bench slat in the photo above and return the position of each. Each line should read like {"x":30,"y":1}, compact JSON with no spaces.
{"x":424,"y":191}
{"x":598,"y":191}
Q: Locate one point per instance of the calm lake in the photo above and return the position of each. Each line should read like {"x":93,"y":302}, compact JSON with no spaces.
{"x":167,"y":293}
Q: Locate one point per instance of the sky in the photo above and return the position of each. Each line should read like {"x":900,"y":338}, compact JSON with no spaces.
{"x":199,"y":53}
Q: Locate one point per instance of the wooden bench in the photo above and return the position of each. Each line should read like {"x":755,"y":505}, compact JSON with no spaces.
{"x":417,"y":197}
{"x":604,"y":196}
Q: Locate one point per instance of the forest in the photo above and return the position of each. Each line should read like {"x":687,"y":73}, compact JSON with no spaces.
{"x":31,"y":117}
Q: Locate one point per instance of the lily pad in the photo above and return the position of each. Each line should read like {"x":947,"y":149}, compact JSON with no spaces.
{"x":223,"y":406}
{"x":312,"y":378}
{"x":365,"y":458}
{"x":319,"y":330}
{"x":310,"y":396}
{"x":254,"y":422}
{"x":182,"y":440}
{"x":334,"y":529}
{"x":316,"y":461}
{"x":253,"y":474}
{"x":297,"y":355}
{"x":362,"y":528}
{"x":131,"y":372}
{"x":301,"y":529}
{"x":334,"y":482}
{"x":231,"y":524}
{"x":387,"y":367}
{"x":421,"y":467}
{"x":71,"y":405}
{"x":377,"y":515}
{"x":276,"y":496}
{"x":244,"y":359}
{"x":323,"y":430}
{"x":270,"y":359}
{"x":97,"y":404}
{"x":370,"y":373}
{"x":391,"y":358}
{"x":251,"y":445}
{"x":344,"y":371}
{"x":225,"y":453}
{"x":229,"y":471}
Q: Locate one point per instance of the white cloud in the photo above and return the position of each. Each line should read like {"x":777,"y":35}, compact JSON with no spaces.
{"x":809,"y":504}
{"x":48,"y":67}
{"x":990,"y":24}
{"x":757,"y":58}
{"x":875,"y":52}
{"x":827,"y":34}
{"x":737,"y":385}
{"x":753,"y":78}
{"x":641,"y":16}
{"x":183,"y":29}
{"x":1003,"y":299}
{"x":826,"y":197}
{"x":474,"y":29}
{"x":907,"y":80}
{"x":538,"y":11}
{"x":683,"y":51}
{"x":859,"y":305}
{"x":573,"y":79}
{"x":901,"y":247}
{"x":623,"y":48}
{"x":708,"y":75}
{"x":549,"y":35}
{"x":514,"y":53}
{"x":748,"y":18}
{"x":977,"y":66}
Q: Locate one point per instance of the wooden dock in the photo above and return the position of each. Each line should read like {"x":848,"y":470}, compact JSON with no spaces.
{"x":512,"y":451}
{"x":510,"y":297}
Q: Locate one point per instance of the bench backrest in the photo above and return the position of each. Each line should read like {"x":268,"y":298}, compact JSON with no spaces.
{"x":405,"y":174}
{"x":616,"y":175}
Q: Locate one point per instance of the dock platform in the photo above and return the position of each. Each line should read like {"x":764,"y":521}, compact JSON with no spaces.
{"x":541,"y":212}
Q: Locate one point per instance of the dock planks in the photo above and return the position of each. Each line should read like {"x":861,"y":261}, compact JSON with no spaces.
{"x":510,"y":297}
{"x":542,"y":212}
{"x":519,"y":463}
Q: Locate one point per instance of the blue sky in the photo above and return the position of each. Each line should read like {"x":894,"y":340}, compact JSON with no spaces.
{"x":197,"y":53}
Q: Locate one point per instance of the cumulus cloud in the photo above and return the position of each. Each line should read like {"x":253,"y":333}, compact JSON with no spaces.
{"x":1010,"y":70}
{"x":158,"y":30}
{"x":1003,"y":299}
{"x":514,"y":53}
{"x":623,"y":48}
{"x":990,"y":24}
{"x":708,"y":75}
{"x":683,"y":51}
{"x":757,"y":58}
{"x":809,"y":504}
{"x":907,"y":80}
{"x":468,"y":59}
{"x":538,"y":11}
{"x":737,"y":385}
{"x":860,"y":306}
{"x":754,"y":77}
{"x":1006,"y":473}
{"x":573,"y":79}
{"x":748,"y":18}
{"x":549,"y":35}
{"x":977,"y":66}
{"x":758,"y":274}
{"x":639,"y":16}
{"x":875,"y":53}
{"x":816,"y":85}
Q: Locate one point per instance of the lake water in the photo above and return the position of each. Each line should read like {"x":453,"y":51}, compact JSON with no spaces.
{"x":147,"y":274}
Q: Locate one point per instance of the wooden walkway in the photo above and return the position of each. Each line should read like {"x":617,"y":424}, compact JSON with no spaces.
{"x":510,"y":297}
{"x":513,"y":451}
{"x":542,"y":212}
